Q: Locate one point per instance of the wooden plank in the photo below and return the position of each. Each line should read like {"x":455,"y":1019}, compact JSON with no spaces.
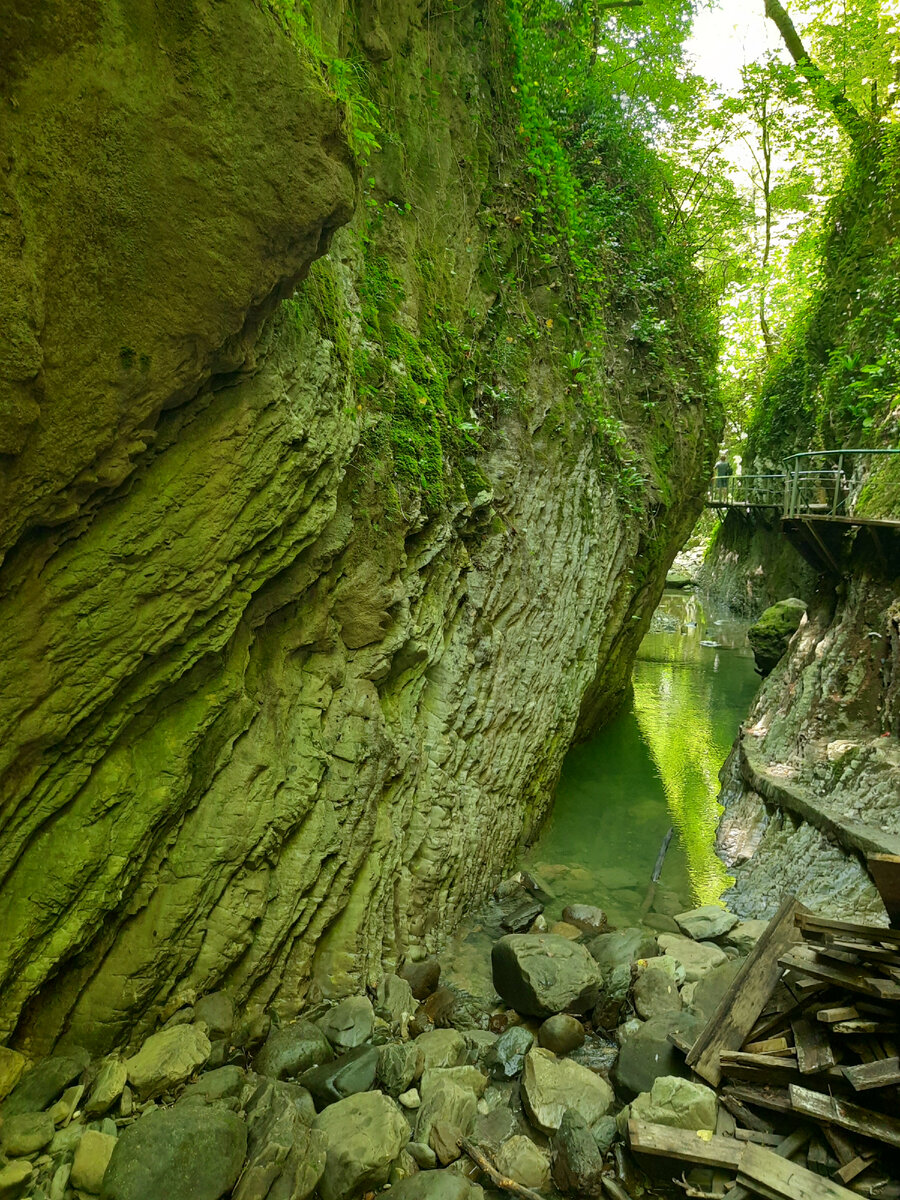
{"x":885,"y":871}
{"x":740,"y":1007}
{"x":861,"y":1025}
{"x":853,"y":979}
{"x":870,"y":953}
{"x":778,"y":1178}
{"x":786,"y":1148}
{"x":757,"y":1135}
{"x":814,"y":1053}
{"x":832,"y":1111}
{"x":771,"y":1045}
{"x":770,"y":1069}
{"x":751,"y":1121}
{"x":855,"y":1167}
{"x":811,"y":923}
{"x":771,"y":1098}
{"x":844,"y":1150}
{"x":884,"y":1072}
{"x":662,"y":1141}
{"x":829,"y":1016}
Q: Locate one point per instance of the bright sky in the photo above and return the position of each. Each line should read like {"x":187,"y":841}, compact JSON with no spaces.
{"x":729,"y":35}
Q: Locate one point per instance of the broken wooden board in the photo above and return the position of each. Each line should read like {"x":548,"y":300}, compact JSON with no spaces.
{"x":770,"y":1069}
{"x":771,"y":1098}
{"x":810,"y":923}
{"x":885,"y":871}
{"x":814,"y":1054}
{"x":833,"y":1111}
{"x":740,"y":1007}
{"x":884,"y":1072}
{"x":685,"y":1144}
{"x":777,"y":1178}
{"x":853,"y":979}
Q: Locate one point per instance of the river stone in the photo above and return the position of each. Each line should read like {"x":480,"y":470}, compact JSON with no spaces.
{"x":697,"y":958}
{"x":441,"y":1048}
{"x":613,"y":994}
{"x":646,"y":1053}
{"x":410,"y":1099}
{"x":604,"y":1133}
{"x":12,"y":1064}
{"x":708,"y":991}
{"x":91,"y":1160}
{"x":350,"y":1023}
{"x":422,"y":977}
{"x":679,"y":1103}
{"x":291,"y":1050}
{"x":394,"y":1001}
{"x":449,"y":1103}
{"x":624,"y":946}
{"x":364,"y":1134}
{"x":770,"y":635}
{"x":435,"y":1185}
{"x":586,"y":917}
{"x":108,"y":1087}
{"x":166,"y":1059}
{"x":506,"y":1058}
{"x":561,"y":1033}
{"x":564,"y":929}
{"x":495,"y":1126}
{"x":347,"y":1075}
{"x":13,"y":1178}
{"x":423,"y":1156}
{"x":285,"y":1157}
{"x":521,"y":1160}
{"x":550,"y":1085}
{"x":43,"y":1084}
{"x":539,"y":974}
{"x":656,"y":993}
{"x":183,"y":1153}
{"x":399,"y":1064}
{"x":706,"y":923}
{"x":215,"y":1085}
{"x":744,"y":936}
{"x":25,"y":1133}
{"x":216,"y":1011}
{"x":577,"y":1161}
{"x":479,"y":1043}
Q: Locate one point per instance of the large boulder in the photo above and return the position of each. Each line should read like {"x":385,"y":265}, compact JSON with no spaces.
{"x":92,"y":1157}
{"x":550,"y":1085}
{"x":520,"y":1159}
{"x":697,"y":958}
{"x":770,"y":635}
{"x":43,"y":1084}
{"x":25,"y":1133}
{"x":189,"y":1152}
{"x":399,"y":1064}
{"x":291,"y":1050}
{"x":441,"y":1048}
{"x":364,"y":1134}
{"x":347,"y":1075}
{"x":706,"y":923}
{"x":709,"y":990}
{"x":12,"y":1066}
{"x":656,"y":993}
{"x":561,"y":1033}
{"x":350,"y":1023}
{"x":646,"y":1053}
{"x":680,"y":1103}
{"x":435,"y":1185}
{"x":286,"y":1158}
{"x":540,"y":974}
{"x":448,"y":1111}
{"x":108,"y":1087}
{"x":167,"y":1059}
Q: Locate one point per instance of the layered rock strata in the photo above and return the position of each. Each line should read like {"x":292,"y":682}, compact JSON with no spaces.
{"x":269,"y":719}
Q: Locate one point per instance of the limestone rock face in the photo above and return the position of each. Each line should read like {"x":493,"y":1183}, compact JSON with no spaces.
{"x":770,"y":635}
{"x":286,"y":681}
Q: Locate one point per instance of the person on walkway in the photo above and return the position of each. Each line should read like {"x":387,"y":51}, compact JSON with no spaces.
{"x":723,"y":473}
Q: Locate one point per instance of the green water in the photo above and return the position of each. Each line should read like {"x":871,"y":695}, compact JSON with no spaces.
{"x":655,"y":766}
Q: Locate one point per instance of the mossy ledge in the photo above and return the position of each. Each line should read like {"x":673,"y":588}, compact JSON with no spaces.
{"x":310,"y":575}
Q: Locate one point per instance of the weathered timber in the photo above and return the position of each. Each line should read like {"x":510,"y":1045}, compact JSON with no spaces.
{"x":855,"y":1167}
{"x":778,"y":1178}
{"x":771,"y":1045}
{"x":770,"y":1069}
{"x":740,"y":1007}
{"x":785,"y":1148}
{"x":662,"y":1141}
{"x":884,"y":1072}
{"x":751,"y":1121}
{"x":814,"y":1053}
{"x":862,"y":1025}
{"x":844,"y":1012}
{"x":833,"y":1111}
{"x":811,"y":923}
{"x":885,"y":870}
{"x":772,"y":1098}
{"x":854,"y":979}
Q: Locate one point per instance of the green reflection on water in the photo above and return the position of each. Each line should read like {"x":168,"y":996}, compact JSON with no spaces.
{"x":655,"y":765}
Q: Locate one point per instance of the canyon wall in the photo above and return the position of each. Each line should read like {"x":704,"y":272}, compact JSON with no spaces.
{"x":323,"y":530}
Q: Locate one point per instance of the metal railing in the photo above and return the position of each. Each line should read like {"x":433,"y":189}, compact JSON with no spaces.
{"x":748,"y":491}
{"x":826,"y":483}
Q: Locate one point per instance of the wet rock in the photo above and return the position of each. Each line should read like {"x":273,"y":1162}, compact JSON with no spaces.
{"x":12,"y":1065}
{"x":444,"y":1140}
{"x":215,"y":1085}
{"x":216,"y":1011}
{"x":646,"y":1054}
{"x":14,"y":1178}
{"x":448,"y":1103}
{"x":183,"y":1153}
{"x":613,"y":994}
{"x":697,"y":958}
{"x":706,"y":923}
{"x":661,"y":922}
{"x":422,"y":977}
{"x":506,"y":1058}
{"x":564,"y":929}
{"x":441,"y":1048}
{"x":347,"y":1075}
{"x":436,"y":1185}
{"x":364,"y":1134}
{"x":679,"y":1103}
{"x":541,"y":974}
{"x":43,"y":1084}
{"x":291,"y":1050}
{"x":709,"y":990}
{"x":521,"y":1160}
{"x":604,"y":1133}
{"x":66,"y":1139}
{"x":770,"y":635}
{"x":656,"y":993}
{"x":253,"y":1031}
{"x":465,"y":1076}
{"x":495,"y":1126}
{"x":561,"y":1034}
{"x":423,"y":1156}
{"x":410,"y":1099}
{"x":586,"y":917}
{"x":25,"y":1133}
{"x":623,"y":947}
{"x":108,"y":1087}
{"x":577,"y":1161}
{"x":399,"y":1063}
{"x":519,"y":916}
{"x":61,"y":1112}
{"x":91,"y":1160}
{"x":349,"y":1024}
{"x":285,"y":1157}
{"x":167,"y":1059}
{"x":744,"y":936}
{"x":395,"y":1003}
{"x":551,"y":1085}
{"x":438,"y":1011}
{"x":479,"y":1043}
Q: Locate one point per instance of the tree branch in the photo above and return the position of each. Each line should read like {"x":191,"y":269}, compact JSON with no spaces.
{"x":823,"y":89}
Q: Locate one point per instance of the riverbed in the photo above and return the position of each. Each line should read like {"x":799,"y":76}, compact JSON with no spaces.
{"x":652,"y":768}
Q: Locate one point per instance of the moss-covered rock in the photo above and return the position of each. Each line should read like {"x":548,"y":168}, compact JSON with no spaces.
{"x":770,"y":635}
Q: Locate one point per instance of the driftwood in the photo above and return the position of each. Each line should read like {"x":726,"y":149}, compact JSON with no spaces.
{"x":502,"y":1181}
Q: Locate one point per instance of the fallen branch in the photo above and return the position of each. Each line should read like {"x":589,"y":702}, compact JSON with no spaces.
{"x":502,"y":1181}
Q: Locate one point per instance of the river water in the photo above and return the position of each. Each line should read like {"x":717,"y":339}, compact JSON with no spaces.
{"x":653,"y":767}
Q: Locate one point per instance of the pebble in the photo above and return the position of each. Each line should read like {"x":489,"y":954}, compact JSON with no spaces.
{"x":410,"y":1099}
